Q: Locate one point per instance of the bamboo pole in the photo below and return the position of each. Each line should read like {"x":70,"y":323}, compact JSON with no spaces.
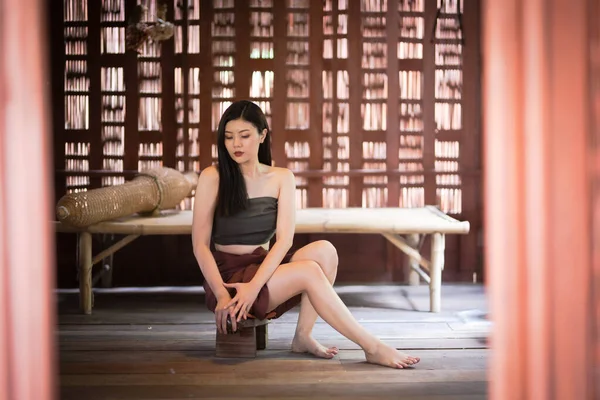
{"x":407,"y":249}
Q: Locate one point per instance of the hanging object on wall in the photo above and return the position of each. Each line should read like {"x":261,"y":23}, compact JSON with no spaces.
{"x":140,"y":32}
{"x":149,"y":192}
{"x":458,"y":30}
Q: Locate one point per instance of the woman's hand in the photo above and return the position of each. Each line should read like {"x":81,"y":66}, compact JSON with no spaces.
{"x":222,"y":312}
{"x":244,"y":298}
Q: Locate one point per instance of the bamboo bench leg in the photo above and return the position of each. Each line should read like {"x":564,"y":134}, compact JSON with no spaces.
{"x":435,"y":273}
{"x":412,"y":264}
{"x":85,"y":272}
{"x":86,"y":261}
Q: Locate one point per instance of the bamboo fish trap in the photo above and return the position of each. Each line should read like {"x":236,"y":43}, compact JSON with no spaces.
{"x":148,"y":193}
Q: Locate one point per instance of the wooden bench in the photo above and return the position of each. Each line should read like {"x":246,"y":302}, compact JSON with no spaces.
{"x":403,"y":227}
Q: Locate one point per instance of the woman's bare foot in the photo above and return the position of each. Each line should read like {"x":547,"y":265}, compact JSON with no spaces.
{"x":390,"y":357}
{"x":307,"y":344}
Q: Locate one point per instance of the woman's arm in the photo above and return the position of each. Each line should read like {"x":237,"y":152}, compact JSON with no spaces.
{"x":286,"y":225}
{"x":284,"y":234}
{"x":205,"y":201}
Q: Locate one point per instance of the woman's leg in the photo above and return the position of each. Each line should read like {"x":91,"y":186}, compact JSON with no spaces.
{"x":323,"y":253}
{"x":307,"y":277}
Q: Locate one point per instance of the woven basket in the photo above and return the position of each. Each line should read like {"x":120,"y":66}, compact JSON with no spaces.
{"x":149,"y":192}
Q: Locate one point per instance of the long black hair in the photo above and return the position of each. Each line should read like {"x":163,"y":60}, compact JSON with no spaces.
{"x":233,"y":195}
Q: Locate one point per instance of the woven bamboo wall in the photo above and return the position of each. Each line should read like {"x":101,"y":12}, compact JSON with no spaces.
{"x":369,"y":105}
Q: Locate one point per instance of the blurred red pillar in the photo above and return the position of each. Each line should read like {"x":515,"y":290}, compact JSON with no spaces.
{"x":537,"y":196}
{"x":26,"y":258}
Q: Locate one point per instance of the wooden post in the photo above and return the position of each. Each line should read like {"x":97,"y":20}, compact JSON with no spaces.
{"x":435,"y":273}
{"x":85,"y":272}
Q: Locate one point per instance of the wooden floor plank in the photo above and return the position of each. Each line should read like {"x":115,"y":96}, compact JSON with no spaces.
{"x":281,"y":361}
{"x":371,"y":374}
{"x":277,"y":331}
{"x":198,"y":344}
{"x":162,"y":347}
{"x":350,"y":391}
{"x":203,"y":356}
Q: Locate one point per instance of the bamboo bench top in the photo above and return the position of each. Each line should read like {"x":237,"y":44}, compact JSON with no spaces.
{"x":423,"y":220}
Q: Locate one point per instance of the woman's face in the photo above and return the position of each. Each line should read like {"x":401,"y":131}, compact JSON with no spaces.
{"x":242,"y":140}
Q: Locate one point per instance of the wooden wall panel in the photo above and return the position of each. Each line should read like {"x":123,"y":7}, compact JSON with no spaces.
{"x":368,"y":100}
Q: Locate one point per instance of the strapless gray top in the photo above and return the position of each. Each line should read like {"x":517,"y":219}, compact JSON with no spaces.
{"x":253,"y":226}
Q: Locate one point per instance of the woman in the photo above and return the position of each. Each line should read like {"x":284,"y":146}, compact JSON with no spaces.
{"x":239,"y":205}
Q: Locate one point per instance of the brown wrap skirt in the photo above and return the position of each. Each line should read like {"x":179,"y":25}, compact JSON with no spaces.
{"x":242,"y":268}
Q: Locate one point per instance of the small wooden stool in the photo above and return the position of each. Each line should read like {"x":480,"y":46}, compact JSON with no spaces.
{"x":251,"y":335}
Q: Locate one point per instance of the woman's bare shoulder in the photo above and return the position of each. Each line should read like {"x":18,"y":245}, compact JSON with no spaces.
{"x":285,"y":179}
{"x":282,"y":173}
{"x":210,"y":172}
{"x":209,"y":176}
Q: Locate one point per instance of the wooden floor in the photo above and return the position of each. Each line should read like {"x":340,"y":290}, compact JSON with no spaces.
{"x":161,"y":346}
